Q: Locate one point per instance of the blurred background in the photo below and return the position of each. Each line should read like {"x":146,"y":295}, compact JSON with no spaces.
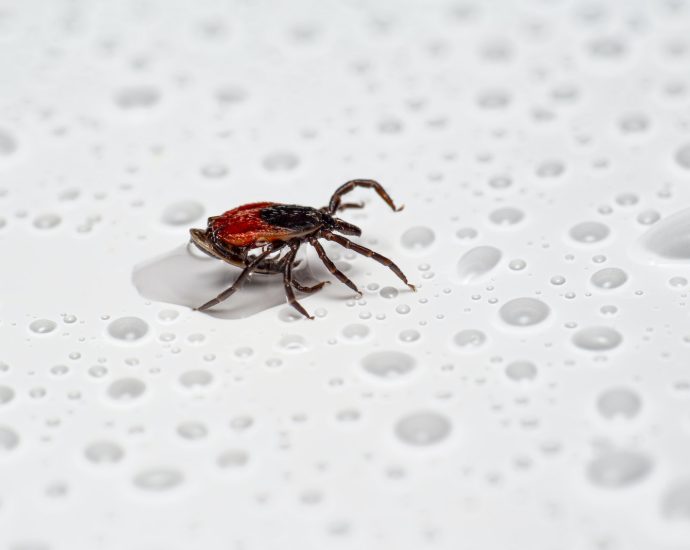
{"x":534,"y":393}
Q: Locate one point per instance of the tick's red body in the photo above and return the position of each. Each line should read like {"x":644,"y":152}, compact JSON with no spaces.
{"x":271,"y":226}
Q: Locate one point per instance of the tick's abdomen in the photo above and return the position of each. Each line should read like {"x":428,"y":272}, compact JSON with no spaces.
{"x":264,"y":222}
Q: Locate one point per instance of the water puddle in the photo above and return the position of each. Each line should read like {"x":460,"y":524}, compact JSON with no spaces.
{"x":187,"y":277}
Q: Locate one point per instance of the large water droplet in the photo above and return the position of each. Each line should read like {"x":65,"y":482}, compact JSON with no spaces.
{"x":423,"y":428}
{"x":667,"y":241}
{"x":476,"y":263}
{"x":42,"y":326}
{"x":619,"y":402}
{"x":618,"y":468}
{"x":521,"y":370}
{"x":523,"y":312}
{"x":589,"y":232}
{"x":128,"y":329}
{"x":388,"y":364}
{"x":126,"y":389}
{"x":597,"y":338}
{"x":609,"y":278}
{"x":469,"y":339}
{"x":417,"y":238}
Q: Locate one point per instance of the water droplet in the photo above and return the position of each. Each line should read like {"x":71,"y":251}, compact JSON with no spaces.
{"x":137,"y":97}
{"x":388,"y":364}
{"x":126,"y":389}
{"x":597,"y":338}
{"x":648,"y":217}
{"x":232,"y":458}
{"x":128,"y":329}
{"x":8,"y":439}
{"x":466,"y":233}
{"x":469,"y":339}
{"x":617,"y":469}
{"x":388,"y":292}
{"x":280,"y":161}
{"x":8,"y":143}
{"x":589,"y":232}
{"x":214,"y":170}
{"x":550,"y":169}
{"x":42,"y":326}
{"x":675,"y":502}
{"x":619,"y":402}
{"x":683,"y":156}
{"x":609,"y":278}
{"x":104,"y":452}
{"x":506,"y":215}
{"x":182,"y":213}
{"x":158,"y":479}
{"x":196,"y":378}
{"x":409,"y":335}
{"x":517,"y":264}
{"x":356,"y":332}
{"x":476,"y":263}
{"x":668,"y":241}
{"x":522,"y":312}
{"x":521,"y":370}
{"x":192,"y":430}
{"x":293,"y":343}
{"x":6,"y":394}
{"x":422,"y":428}
{"x":47,"y":221}
{"x":417,"y":238}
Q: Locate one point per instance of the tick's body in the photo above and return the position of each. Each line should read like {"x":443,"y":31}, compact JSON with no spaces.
{"x":270,"y":227}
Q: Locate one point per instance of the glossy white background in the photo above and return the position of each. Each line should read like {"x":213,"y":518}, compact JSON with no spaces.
{"x":534,"y":393}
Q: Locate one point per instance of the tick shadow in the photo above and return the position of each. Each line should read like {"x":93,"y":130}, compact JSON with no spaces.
{"x":189,"y":278}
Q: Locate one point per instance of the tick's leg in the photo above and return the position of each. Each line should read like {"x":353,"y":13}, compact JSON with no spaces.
{"x":309,"y":289}
{"x":288,"y":282}
{"x":331,"y":266}
{"x":347,"y":243}
{"x":251,"y":266}
{"x":344,"y":206}
{"x":334,"y":205}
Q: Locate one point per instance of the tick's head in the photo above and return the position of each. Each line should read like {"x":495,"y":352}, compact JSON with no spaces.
{"x":345,"y":228}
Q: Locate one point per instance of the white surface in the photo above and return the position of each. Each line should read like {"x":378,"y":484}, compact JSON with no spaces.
{"x":270,"y":432}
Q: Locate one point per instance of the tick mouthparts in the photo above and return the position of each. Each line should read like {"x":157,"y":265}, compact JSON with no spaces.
{"x":347,"y":228}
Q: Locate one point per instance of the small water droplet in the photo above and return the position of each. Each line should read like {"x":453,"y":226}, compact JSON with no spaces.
{"x":158,"y":479}
{"x":182,"y":213}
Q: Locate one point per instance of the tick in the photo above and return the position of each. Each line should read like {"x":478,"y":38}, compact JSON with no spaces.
{"x":253,"y":236}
